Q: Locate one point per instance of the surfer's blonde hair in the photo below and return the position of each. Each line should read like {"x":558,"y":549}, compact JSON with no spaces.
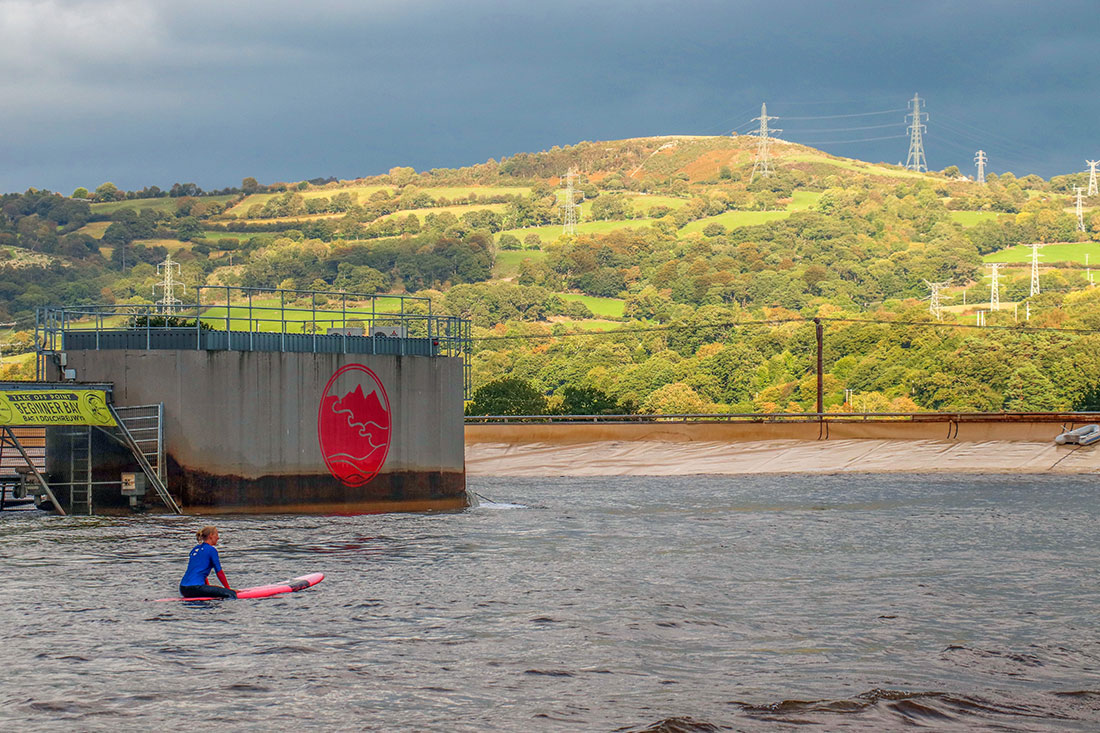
{"x":206,"y":533}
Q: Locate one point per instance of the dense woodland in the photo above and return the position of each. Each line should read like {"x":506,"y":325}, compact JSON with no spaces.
{"x":712,"y":273}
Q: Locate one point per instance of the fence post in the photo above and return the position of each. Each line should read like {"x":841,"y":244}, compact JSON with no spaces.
{"x":819,"y":329}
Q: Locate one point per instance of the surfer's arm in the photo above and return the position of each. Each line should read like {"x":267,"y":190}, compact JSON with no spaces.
{"x":221,"y":577}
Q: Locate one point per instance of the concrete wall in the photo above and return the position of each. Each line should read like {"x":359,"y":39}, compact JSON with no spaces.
{"x":241,"y":427}
{"x":737,"y":432}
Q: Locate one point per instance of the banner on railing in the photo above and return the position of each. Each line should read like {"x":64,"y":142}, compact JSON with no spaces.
{"x":54,"y":407}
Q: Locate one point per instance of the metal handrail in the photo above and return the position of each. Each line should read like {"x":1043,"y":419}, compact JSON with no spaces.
{"x":288,"y":311}
{"x":756,"y":417}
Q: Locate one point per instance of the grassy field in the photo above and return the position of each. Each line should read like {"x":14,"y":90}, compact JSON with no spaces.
{"x":735,"y":219}
{"x":971,"y":218}
{"x":643,"y":202}
{"x":458,"y":211}
{"x":162,"y":204}
{"x":364,"y":193}
{"x":552,"y":231}
{"x":95,"y":229}
{"x":172,"y":245}
{"x":804,"y":200}
{"x":1062,"y":252}
{"x":508,"y":261}
{"x":851,"y":165}
{"x":590,"y":324}
{"x":267,"y":316}
{"x":607,"y":307}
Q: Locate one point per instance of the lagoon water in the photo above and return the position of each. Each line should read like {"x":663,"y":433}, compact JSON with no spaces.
{"x":567,"y":604}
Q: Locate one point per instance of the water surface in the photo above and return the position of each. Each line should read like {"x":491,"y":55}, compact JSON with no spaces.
{"x":595,"y":604}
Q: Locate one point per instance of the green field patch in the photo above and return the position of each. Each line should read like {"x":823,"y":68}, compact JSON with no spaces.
{"x":972,"y":218}
{"x":608,"y":307}
{"x":1075,"y":252}
{"x":363,"y":193}
{"x":457,"y":210}
{"x":303,"y":218}
{"x":551,"y":232}
{"x":266,"y":315}
{"x":166,"y":204}
{"x":95,"y":229}
{"x":588,"y":324}
{"x":172,"y":245}
{"x":508,"y":261}
{"x":735,"y":219}
{"x":804,"y":200}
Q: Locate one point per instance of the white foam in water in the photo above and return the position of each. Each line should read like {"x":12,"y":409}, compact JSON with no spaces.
{"x":500,"y":505}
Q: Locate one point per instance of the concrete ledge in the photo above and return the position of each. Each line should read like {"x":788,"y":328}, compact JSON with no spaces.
{"x":744,"y":448}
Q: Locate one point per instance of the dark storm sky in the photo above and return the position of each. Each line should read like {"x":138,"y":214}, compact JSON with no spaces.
{"x":143,"y":93}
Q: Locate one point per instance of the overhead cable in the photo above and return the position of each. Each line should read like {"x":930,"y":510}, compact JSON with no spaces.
{"x":838,"y":117}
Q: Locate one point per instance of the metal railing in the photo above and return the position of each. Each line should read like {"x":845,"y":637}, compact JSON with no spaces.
{"x":797,"y":417}
{"x":261,"y":319}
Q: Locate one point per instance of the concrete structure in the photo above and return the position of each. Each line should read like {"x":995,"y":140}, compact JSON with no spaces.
{"x":268,"y":401}
{"x":927,"y":443}
{"x":242,"y":428}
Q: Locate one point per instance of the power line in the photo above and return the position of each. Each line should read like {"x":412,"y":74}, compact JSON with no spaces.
{"x":839,"y":117}
{"x":846,"y":129}
{"x":781,"y":321}
{"x":859,"y":140}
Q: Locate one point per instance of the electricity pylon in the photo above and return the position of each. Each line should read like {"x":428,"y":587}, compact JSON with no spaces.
{"x":1034,"y":269}
{"x":934,"y":305}
{"x":569,"y":205}
{"x":916,"y":160}
{"x":169,"y":301}
{"x":763,"y":161}
{"x":1092,"y":176}
{"x":995,"y":288}
{"x":980,"y":160}
{"x":1080,"y":210}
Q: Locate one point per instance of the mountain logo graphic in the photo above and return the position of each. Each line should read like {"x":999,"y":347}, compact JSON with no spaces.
{"x":353,"y":425}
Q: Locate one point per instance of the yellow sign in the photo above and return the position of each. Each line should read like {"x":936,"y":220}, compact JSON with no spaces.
{"x":54,"y":407}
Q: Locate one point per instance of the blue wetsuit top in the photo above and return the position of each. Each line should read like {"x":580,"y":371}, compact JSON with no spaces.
{"x":204,"y":558}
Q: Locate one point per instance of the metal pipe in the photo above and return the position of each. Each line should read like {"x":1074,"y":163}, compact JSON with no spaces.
{"x":819,"y":331}
{"x":34,"y":469}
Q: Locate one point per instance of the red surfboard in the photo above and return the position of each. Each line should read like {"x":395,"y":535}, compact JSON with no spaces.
{"x":263,"y":591}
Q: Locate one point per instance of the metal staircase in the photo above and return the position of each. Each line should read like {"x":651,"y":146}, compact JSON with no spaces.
{"x":145,"y":424}
{"x":80,"y":471}
{"x":123,"y":433}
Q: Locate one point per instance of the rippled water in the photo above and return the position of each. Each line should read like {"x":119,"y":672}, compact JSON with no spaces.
{"x":601,"y":604}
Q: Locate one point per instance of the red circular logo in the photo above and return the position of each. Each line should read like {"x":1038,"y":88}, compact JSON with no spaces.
{"x":353,"y":424}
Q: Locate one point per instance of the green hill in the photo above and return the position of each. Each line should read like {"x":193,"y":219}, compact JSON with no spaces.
{"x":680,"y":262}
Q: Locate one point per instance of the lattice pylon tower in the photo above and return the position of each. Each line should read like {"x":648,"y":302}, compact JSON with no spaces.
{"x":1092,"y":176}
{"x":569,"y":205}
{"x":916,"y":160}
{"x":169,"y":301}
{"x":1034,"y":269}
{"x":1080,"y":209}
{"x":980,"y":160}
{"x":763,"y":162}
{"x":935,"y":306}
{"x":995,"y":288}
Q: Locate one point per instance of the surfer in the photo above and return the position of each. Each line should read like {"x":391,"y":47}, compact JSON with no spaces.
{"x":203,"y":559}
